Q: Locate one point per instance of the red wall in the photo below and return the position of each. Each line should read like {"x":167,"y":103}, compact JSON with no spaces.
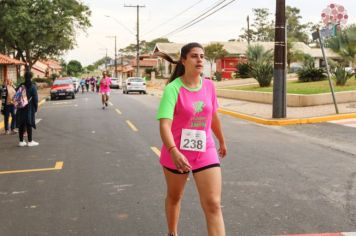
{"x":226,"y":66}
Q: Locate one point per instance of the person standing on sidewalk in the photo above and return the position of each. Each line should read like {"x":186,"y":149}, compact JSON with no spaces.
{"x":25,"y":117}
{"x":105,"y":83}
{"x":187,"y":117}
{"x":8,"y":107}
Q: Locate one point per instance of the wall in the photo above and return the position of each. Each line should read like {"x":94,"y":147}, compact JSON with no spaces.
{"x":293,"y":100}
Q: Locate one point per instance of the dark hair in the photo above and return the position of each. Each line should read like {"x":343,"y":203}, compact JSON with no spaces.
{"x":28,"y":77}
{"x":179,"y":70}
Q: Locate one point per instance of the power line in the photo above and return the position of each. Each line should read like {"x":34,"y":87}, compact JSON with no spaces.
{"x":122,"y":25}
{"x":172,"y":18}
{"x":200,"y":17}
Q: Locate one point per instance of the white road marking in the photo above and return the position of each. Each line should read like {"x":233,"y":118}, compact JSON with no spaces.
{"x":131,"y":126}
{"x":38,"y":121}
{"x":118,"y":111}
{"x":345,"y":122}
{"x":156,"y":151}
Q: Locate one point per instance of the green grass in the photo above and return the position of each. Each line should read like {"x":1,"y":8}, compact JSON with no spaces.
{"x":296,"y":87}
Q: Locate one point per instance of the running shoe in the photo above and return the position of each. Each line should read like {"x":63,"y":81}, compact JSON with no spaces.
{"x":22,"y":144}
{"x":32,"y":144}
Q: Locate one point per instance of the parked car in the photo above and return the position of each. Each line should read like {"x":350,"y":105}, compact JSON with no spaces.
{"x":115,"y":83}
{"x":134,"y":84}
{"x":62,"y":87}
{"x":350,"y":69}
{"x":76,"y":84}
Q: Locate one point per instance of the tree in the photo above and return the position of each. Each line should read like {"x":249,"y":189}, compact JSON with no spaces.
{"x":263,"y":25}
{"x":292,"y":54}
{"x":345,"y":44}
{"x":260,"y":61}
{"x":74,"y":68}
{"x":258,"y":54}
{"x":145,"y":47}
{"x":295,"y":29}
{"x":151,"y":45}
{"x":262,"y":28}
{"x":39,"y":29}
{"x":212,"y":52}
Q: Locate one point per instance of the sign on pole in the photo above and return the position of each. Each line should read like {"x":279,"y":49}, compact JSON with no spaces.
{"x":333,"y":16}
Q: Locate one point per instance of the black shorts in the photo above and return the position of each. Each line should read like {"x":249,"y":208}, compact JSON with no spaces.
{"x":194,"y":171}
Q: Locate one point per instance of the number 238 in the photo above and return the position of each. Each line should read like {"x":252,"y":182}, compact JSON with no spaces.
{"x":193,"y":144}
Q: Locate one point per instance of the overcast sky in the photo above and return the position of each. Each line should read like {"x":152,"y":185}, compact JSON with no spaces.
{"x":223,"y":25}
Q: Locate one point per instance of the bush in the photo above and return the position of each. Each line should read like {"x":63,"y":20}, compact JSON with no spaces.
{"x":48,"y":81}
{"x":243,"y":70}
{"x":263,"y":73}
{"x":218,"y":76}
{"x":309,"y":74}
{"x":53,"y":77}
{"x":341,"y":75}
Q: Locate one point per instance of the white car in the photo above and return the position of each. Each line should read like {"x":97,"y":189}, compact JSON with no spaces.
{"x":134,"y":84}
{"x":76,"y":83}
{"x":115,"y":83}
{"x":349,"y":69}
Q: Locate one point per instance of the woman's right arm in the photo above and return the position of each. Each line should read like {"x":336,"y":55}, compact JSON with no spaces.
{"x":178,"y":158}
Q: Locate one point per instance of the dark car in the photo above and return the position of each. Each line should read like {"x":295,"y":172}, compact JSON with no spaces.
{"x":62,"y":87}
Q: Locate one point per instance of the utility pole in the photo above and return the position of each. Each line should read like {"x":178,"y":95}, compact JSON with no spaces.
{"x":248,"y":30}
{"x":137,"y":37}
{"x":115,"y":60}
{"x":279,"y":83}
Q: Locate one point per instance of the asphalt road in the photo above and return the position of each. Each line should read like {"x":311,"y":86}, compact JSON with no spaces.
{"x":276,"y":180}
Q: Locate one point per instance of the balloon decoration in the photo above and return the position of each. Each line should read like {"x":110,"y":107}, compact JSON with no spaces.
{"x":334,"y":14}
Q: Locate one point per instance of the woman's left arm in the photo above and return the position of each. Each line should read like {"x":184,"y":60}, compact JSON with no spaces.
{"x":216,"y":128}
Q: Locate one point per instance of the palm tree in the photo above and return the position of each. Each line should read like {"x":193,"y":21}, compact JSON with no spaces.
{"x":260,"y":61}
{"x":258,"y":54}
{"x":345,"y":44}
{"x":294,"y":55}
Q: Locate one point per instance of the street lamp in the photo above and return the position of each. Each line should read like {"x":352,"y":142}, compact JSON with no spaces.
{"x":115,"y":70}
{"x":106,"y":56}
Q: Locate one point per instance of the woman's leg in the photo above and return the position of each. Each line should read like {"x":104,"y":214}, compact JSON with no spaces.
{"x":13,"y":117}
{"x":175,"y":189}
{"x":29,"y":132}
{"x":103,"y":99}
{"x":208,"y":183}
{"x":6,"y":117}
{"x":21,"y":132}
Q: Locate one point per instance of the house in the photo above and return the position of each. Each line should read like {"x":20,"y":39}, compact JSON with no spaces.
{"x":144,"y":63}
{"x":39,"y":70}
{"x":236,"y":53}
{"x":46,"y":68}
{"x":173,"y":50}
{"x":53,"y":67}
{"x":9,"y":68}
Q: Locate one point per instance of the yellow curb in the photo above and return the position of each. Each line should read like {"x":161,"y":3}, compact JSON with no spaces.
{"x":280,"y":122}
{"x":39,"y":104}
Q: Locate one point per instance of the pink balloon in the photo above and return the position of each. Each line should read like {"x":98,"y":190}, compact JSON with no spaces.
{"x":340,"y":16}
{"x":332,"y":5}
{"x":346,"y":16}
{"x":323,"y":15}
{"x":341,"y":8}
{"x":334,"y":12}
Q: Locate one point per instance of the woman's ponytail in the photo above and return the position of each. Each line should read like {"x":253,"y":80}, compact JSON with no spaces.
{"x":179,"y":69}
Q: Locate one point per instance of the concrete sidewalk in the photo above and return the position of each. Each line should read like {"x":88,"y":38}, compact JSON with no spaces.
{"x":262,"y":113}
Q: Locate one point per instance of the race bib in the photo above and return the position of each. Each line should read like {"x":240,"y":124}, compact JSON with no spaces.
{"x":193,"y":140}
